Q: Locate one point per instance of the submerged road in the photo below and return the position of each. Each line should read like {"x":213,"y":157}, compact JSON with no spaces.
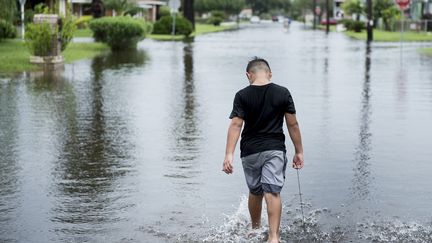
{"x":128,"y":147}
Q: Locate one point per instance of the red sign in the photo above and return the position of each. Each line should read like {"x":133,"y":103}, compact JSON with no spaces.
{"x":403,"y":4}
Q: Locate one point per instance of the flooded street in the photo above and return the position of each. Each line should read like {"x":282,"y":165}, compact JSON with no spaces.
{"x":129,"y":147}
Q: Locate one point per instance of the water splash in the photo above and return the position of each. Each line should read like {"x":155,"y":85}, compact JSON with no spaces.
{"x":237,"y":227}
{"x":319,"y":225}
{"x":394,"y":231}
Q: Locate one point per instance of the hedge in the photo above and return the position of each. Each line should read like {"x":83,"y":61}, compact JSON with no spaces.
{"x":354,"y":25}
{"x":164,"y":26}
{"x":119,"y":32}
{"x":7,"y":30}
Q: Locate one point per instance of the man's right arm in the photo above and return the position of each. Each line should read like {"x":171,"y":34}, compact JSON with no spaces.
{"x":234,"y":131}
{"x":294,"y":132}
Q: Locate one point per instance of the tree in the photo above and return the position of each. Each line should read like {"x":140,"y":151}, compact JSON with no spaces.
{"x":227,"y":6}
{"x":352,"y":7}
{"x":8,"y":10}
{"x":298,"y":8}
{"x":122,"y":7}
{"x":386,"y":10}
{"x":260,"y":6}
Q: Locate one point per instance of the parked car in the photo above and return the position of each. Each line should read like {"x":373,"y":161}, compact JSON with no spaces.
{"x":255,"y":19}
{"x":331,"y":22}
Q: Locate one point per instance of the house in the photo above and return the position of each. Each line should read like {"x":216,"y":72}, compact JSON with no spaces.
{"x":246,"y":13}
{"x":152,"y":7}
{"x":84,"y":7}
{"x":420,"y":8}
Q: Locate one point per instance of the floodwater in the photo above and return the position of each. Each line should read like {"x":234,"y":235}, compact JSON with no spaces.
{"x":128,"y":147}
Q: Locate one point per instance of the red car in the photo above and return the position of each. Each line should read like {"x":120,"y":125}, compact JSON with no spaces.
{"x":331,"y":22}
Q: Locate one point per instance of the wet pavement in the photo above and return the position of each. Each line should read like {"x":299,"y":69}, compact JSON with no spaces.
{"x":128,"y":147}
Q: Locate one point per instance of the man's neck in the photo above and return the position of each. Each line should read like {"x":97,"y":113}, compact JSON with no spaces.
{"x":260,"y":82}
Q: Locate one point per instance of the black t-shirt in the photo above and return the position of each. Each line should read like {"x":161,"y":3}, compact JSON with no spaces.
{"x":263,"y":109}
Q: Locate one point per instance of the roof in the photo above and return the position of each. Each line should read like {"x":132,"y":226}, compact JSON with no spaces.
{"x":142,"y":3}
{"x":151,"y":2}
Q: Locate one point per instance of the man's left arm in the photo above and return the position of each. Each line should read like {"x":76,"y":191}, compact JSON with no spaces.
{"x":294,"y":132}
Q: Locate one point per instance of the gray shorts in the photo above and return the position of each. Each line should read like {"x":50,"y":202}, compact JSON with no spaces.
{"x":265,"y":171}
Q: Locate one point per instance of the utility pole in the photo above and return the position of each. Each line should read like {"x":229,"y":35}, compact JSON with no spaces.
{"x":369,"y":25}
{"x":314,"y":13}
{"x":189,"y":11}
{"x":328,"y":16}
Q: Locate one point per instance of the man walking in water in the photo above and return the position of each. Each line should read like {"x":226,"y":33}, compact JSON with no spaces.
{"x":262,"y":106}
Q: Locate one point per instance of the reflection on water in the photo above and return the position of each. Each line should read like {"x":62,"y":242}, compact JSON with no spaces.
{"x":185,"y":131}
{"x":9,"y":167}
{"x":119,"y":60}
{"x":362,"y":174}
{"x":94,"y":156}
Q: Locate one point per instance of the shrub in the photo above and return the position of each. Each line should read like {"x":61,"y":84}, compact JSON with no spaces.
{"x":218,"y":14}
{"x":7,"y":30}
{"x":118,"y":32}
{"x":38,"y":38}
{"x":214,"y":21}
{"x":66,"y":32}
{"x":28,"y":16}
{"x":83,"y":21}
{"x":216,"y":18}
{"x":353,"y":25}
{"x":164,"y":26}
{"x":8,"y":10}
{"x":164,"y":11}
{"x":266,"y":16}
{"x":41,"y":8}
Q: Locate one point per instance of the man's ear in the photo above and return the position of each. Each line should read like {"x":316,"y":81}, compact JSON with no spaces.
{"x":248,"y":75}
{"x":270,"y":75}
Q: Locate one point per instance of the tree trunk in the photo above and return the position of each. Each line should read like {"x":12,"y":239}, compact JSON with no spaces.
{"x":188,"y":11}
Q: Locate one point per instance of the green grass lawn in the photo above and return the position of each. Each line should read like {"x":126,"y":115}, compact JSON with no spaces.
{"x":387,"y":36}
{"x":83,"y":33}
{"x":427,"y":51}
{"x":323,"y":27}
{"x":199,"y":30}
{"x":78,"y":51}
{"x":15,"y":55}
{"x":207,"y":28}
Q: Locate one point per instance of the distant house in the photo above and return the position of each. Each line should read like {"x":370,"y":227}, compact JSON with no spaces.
{"x":246,"y":13}
{"x":84,"y":7}
{"x":50,"y":3}
{"x":152,"y":8}
{"x":420,"y":8}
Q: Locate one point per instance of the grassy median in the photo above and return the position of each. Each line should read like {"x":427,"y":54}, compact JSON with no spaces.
{"x":199,"y":30}
{"x":15,"y":55}
{"x":387,"y":36}
{"x":427,"y":51}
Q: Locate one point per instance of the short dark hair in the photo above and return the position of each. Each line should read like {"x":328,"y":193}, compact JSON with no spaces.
{"x":257,"y":62}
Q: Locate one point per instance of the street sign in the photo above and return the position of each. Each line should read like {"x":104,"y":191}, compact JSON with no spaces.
{"x":174,"y":5}
{"x":403,"y":4}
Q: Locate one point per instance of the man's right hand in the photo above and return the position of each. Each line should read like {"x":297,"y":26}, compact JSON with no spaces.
{"x":298,"y":161}
{"x":227,"y":164}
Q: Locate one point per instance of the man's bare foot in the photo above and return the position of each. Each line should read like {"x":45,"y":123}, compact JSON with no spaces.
{"x":273,"y":241}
